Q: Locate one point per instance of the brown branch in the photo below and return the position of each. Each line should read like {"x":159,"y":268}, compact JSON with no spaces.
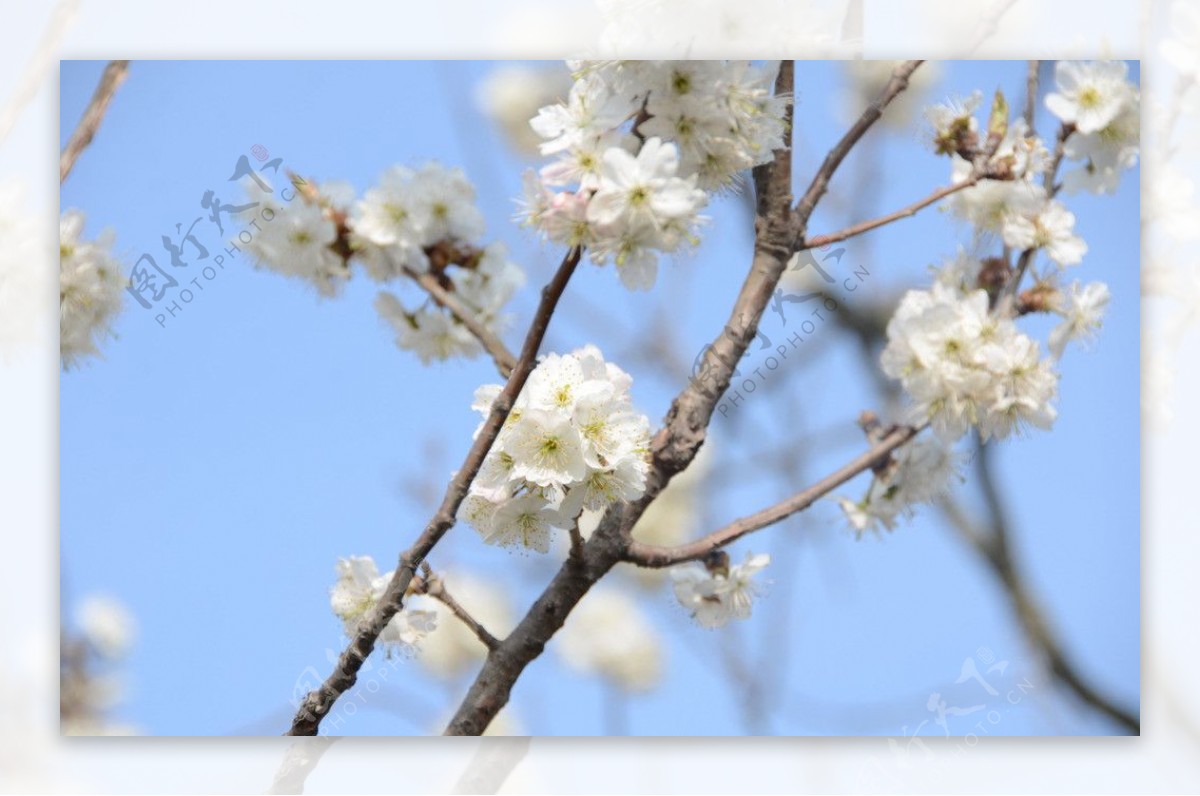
{"x":318,"y":703}
{"x":777,"y":229}
{"x":114,"y":75}
{"x":645,"y":555}
{"x":995,"y":550}
{"x":1031,"y":91}
{"x":504,"y":359}
{"x":905,"y":212}
{"x":435,"y":587}
{"x":820,"y":182}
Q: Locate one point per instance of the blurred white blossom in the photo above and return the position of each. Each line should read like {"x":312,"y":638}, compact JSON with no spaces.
{"x":607,"y":635}
{"x":91,"y":289}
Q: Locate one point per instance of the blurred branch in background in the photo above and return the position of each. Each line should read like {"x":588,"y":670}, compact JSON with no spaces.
{"x":991,"y":539}
{"x":35,"y":72}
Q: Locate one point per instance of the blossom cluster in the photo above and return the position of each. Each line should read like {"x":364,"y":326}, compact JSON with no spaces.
{"x":573,"y":441}
{"x":359,"y":588}
{"x":1099,"y":110}
{"x":415,"y":222}
{"x":715,"y":592}
{"x":1104,"y":111}
{"x":638,"y":144}
{"x":962,"y":366}
{"x":91,"y":287}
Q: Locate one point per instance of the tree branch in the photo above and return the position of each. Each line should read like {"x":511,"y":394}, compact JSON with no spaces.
{"x":905,"y":212}
{"x":655,"y":557}
{"x":435,"y":587}
{"x":319,"y":702}
{"x":114,"y":75}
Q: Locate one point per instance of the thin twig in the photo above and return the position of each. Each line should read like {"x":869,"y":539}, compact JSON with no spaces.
{"x":820,"y":181}
{"x":114,"y":75}
{"x":655,"y":557}
{"x":1031,"y":92}
{"x":504,"y":359}
{"x":435,"y":587}
{"x":905,"y":212}
{"x":319,"y":702}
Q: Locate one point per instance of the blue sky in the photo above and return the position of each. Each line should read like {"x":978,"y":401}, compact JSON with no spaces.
{"x":215,"y":467}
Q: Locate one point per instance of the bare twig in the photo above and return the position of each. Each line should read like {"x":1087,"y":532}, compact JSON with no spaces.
{"x":435,"y":587}
{"x":114,"y":75}
{"x":820,"y":182}
{"x":778,"y":228}
{"x":504,"y":359}
{"x":905,"y":212}
{"x":645,"y":555}
{"x":319,"y":702}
